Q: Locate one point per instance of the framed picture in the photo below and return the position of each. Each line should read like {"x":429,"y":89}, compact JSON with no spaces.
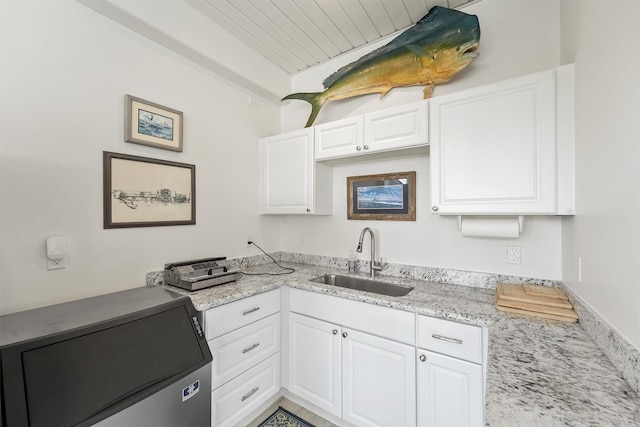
{"x":144,"y":192}
{"x":152,"y":124}
{"x":390,"y":196}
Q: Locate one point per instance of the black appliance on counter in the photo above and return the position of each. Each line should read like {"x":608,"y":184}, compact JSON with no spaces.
{"x":133,"y":358}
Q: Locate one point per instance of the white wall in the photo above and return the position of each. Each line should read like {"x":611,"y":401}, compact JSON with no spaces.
{"x":185,"y":28}
{"x":518,"y":37}
{"x":605,"y":232}
{"x":63,"y":76}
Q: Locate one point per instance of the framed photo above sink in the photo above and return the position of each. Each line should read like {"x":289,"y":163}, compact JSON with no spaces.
{"x":389,"y":196}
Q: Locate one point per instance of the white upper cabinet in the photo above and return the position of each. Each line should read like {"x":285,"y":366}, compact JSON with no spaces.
{"x":494,"y":148}
{"x":291,"y":182}
{"x":340,"y":138}
{"x":395,"y":128}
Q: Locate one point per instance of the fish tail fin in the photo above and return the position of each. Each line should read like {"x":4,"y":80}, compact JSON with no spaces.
{"x":316,"y":99}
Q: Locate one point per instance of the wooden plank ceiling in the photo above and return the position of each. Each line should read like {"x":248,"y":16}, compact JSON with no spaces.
{"x":297,"y":34}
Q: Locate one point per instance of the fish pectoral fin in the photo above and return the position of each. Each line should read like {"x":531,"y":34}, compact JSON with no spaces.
{"x":385,"y":91}
{"x":428,"y":90}
{"x":425,"y":57}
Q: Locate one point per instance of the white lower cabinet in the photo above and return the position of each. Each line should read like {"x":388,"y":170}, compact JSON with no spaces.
{"x":244,"y":338}
{"x":450,"y":385}
{"x":233,"y":401}
{"x":237,"y":351}
{"x":378,"y":381}
{"x":365,"y":379}
{"x":363,"y":364}
{"x":449,"y":391}
{"x":314,"y":362}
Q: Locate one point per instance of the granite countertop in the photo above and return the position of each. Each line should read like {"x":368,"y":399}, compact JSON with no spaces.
{"x":539,"y":373}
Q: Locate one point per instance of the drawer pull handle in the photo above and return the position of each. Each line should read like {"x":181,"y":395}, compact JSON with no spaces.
{"x":248,"y":349}
{"x":244,"y":313}
{"x":251,"y":393}
{"x":447,"y":339}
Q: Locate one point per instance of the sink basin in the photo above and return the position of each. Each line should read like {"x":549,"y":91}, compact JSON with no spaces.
{"x":362,"y":284}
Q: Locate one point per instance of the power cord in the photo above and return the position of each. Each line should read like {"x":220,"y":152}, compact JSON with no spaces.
{"x":288,"y":270}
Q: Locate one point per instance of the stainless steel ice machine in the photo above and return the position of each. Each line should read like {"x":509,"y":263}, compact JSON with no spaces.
{"x":132,"y":358}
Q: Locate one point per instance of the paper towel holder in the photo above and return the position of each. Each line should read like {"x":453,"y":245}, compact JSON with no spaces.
{"x":520,"y":223}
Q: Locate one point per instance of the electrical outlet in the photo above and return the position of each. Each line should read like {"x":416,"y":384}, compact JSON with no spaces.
{"x":54,"y":264}
{"x":301,"y":239}
{"x":513,"y":254}
{"x":248,"y":239}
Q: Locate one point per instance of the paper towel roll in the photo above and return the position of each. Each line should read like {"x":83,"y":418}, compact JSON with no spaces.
{"x":490,"y":227}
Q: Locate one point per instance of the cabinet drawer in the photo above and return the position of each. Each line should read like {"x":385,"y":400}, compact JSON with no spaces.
{"x":236,"y":399}
{"x":227,"y":318}
{"x":450,"y":338}
{"x":381,"y":321}
{"x":239,"y":350}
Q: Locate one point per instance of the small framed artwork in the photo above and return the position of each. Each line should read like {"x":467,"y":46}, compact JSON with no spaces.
{"x":390,"y":196}
{"x":144,"y":192}
{"x":152,"y":124}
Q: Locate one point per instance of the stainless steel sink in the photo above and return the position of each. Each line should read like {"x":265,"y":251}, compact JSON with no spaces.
{"x":362,"y":284}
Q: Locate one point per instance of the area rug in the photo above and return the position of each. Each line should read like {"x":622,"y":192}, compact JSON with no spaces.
{"x":283,"y":418}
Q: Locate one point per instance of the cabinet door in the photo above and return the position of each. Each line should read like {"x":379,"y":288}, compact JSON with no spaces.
{"x":450,"y":391}
{"x":340,"y":138}
{"x":398,"y":127}
{"x":287,"y":170}
{"x":493,"y":148}
{"x":378,"y":381}
{"x":314,"y":362}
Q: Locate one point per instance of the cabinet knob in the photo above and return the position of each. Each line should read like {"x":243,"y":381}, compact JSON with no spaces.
{"x":434,"y":208}
{"x":344,"y":335}
{"x":308,"y":210}
{"x":423,"y":358}
{"x":335,"y":332}
{"x":366,"y":147}
{"x":358,"y":148}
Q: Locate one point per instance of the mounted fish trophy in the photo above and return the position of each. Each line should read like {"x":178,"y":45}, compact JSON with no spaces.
{"x":437,"y":47}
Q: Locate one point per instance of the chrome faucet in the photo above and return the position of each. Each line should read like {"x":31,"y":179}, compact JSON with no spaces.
{"x":373,"y":266}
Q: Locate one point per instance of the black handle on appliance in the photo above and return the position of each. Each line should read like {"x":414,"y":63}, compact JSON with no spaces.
{"x":194,"y":261}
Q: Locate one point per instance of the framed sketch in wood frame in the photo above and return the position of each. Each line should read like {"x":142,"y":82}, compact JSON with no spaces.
{"x":145,"y":192}
{"x":152,"y":124}
{"x":390,"y":196}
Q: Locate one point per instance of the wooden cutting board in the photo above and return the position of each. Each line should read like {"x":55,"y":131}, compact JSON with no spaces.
{"x":532,"y":313}
{"x":545,"y":291}
{"x":536,"y":308}
{"x":510,"y":292}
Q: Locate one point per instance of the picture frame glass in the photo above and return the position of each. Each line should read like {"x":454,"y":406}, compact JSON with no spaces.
{"x":382,"y":197}
{"x":141,"y":192}
{"x":151,"y":124}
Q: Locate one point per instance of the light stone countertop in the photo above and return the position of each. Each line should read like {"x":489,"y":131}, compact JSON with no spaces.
{"x":540,"y":372}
